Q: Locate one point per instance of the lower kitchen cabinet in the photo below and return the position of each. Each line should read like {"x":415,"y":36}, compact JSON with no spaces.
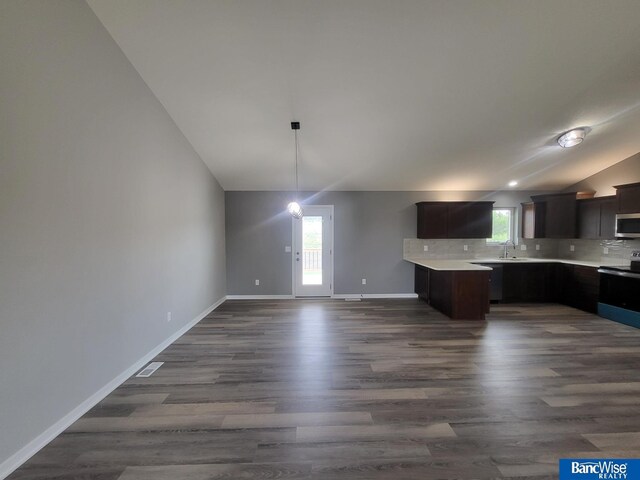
{"x":578,"y":286}
{"x":421,"y":282}
{"x":572,"y":285}
{"x":532,"y":282}
{"x":459,"y":294}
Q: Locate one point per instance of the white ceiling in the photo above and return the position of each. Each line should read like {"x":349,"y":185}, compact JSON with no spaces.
{"x":391,"y":94}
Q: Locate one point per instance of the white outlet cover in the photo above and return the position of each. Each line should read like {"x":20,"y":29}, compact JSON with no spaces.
{"x":425,"y":248}
{"x":168,"y":316}
{"x":287,"y":249}
{"x":523,"y":247}
{"x":606,"y":250}
{"x":572,"y":248}
{"x":537,"y":246}
{"x":257,"y":282}
{"x":466,"y":248}
{"x":364,"y":281}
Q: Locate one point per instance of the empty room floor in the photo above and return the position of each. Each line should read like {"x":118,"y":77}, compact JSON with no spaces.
{"x":378,"y":389}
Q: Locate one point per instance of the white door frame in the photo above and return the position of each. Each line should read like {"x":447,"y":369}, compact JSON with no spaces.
{"x":331,"y":248}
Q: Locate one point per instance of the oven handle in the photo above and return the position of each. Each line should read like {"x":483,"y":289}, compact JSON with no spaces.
{"x":618,"y":273}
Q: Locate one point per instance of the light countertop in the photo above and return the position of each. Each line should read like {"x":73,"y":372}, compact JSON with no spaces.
{"x":446,"y":265}
{"x":470,"y":264}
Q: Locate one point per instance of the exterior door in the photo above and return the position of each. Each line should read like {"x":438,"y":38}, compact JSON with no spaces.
{"x":313,"y":252}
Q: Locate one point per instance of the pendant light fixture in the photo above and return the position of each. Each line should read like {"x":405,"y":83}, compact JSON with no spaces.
{"x":294,"y":208}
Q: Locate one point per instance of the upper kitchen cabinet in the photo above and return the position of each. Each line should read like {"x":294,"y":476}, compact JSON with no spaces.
{"x":454,"y":219}
{"x":432,"y":219}
{"x":557,"y":217}
{"x":596,"y":217}
{"x":533,"y":219}
{"x":628,"y":197}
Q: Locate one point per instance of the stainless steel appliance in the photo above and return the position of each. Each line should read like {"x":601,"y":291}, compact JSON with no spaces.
{"x":620,"y":292}
{"x":628,"y":225}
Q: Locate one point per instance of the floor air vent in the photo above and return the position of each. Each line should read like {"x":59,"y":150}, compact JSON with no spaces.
{"x":149,"y":369}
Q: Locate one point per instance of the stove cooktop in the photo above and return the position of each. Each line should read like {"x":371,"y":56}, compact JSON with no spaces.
{"x":634,"y":267}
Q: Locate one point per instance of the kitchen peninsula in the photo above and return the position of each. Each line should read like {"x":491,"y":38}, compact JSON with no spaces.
{"x":457,"y":288}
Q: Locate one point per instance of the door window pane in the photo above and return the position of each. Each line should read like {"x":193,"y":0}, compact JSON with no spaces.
{"x":312,"y":250}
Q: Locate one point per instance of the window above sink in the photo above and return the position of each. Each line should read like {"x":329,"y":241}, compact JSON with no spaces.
{"x":503,"y":226}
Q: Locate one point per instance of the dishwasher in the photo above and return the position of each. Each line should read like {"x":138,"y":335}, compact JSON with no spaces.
{"x":495,"y":279}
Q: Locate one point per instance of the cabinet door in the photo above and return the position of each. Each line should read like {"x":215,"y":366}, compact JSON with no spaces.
{"x":421,"y":283}
{"x":561,"y":216}
{"x":457,"y":226}
{"x":528,"y":220}
{"x":563,"y":290}
{"x":540,"y":215}
{"x":432,"y":220}
{"x":528,"y":283}
{"x":608,"y":209}
{"x":597,"y":218}
{"x":470,"y":220}
{"x":479,"y":220}
{"x":589,"y":218}
{"x":628,"y":198}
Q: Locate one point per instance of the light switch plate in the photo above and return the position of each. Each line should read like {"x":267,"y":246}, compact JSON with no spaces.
{"x":425,"y":248}
{"x":287,"y":249}
{"x":523,"y":247}
{"x":572,"y":248}
{"x":605,"y":250}
{"x":364,"y":281}
{"x":257,"y":282}
{"x":537,"y":246}
{"x":466,"y":248}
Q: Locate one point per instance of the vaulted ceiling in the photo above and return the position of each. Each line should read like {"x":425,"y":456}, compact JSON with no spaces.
{"x":391,"y":94}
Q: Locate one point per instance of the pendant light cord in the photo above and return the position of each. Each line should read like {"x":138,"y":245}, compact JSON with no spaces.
{"x":295,"y":132}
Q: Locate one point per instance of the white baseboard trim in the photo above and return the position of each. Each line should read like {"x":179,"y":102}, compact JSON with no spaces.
{"x":260,"y":297}
{"x":376,"y":295}
{"x":35,"y":445}
{"x":339,"y":296}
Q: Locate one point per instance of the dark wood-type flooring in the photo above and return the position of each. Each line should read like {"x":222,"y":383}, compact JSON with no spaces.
{"x":379,"y":389}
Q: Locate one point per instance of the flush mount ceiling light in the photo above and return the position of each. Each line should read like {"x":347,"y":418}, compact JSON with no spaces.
{"x":294,"y":208}
{"x":513,"y":183}
{"x":572,"y":137}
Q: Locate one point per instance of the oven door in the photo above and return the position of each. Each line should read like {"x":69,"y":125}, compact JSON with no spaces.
{"x":628,"y":225}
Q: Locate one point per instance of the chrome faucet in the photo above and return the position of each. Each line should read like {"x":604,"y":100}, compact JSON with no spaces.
{"x":506,"y":248}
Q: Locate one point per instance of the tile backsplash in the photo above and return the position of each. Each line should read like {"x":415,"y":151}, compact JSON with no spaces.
{"x":619,"y":251}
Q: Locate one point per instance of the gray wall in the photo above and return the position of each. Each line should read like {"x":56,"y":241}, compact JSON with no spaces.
{"x":108,"y":218}
{"x":369,"y":229}
{"x":626,"y":171}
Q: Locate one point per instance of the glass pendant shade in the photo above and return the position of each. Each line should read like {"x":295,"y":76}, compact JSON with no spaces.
{"x":295,"y":210}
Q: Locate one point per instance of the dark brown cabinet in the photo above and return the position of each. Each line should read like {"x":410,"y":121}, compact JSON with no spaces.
{"x":455,"y":219}
{"x":596,"y":217}
{"x":628,"y":197}
{"x":561,"y":216}
{"x":577,"y":286}
{"x":533,"y":218}
{"x":421,"y":282}
{"x":555,"y":215}
{"x":432,"y":219}
{"x":461,"y":295}
{"x":532,"y":282}
{"x":572,"y":285}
